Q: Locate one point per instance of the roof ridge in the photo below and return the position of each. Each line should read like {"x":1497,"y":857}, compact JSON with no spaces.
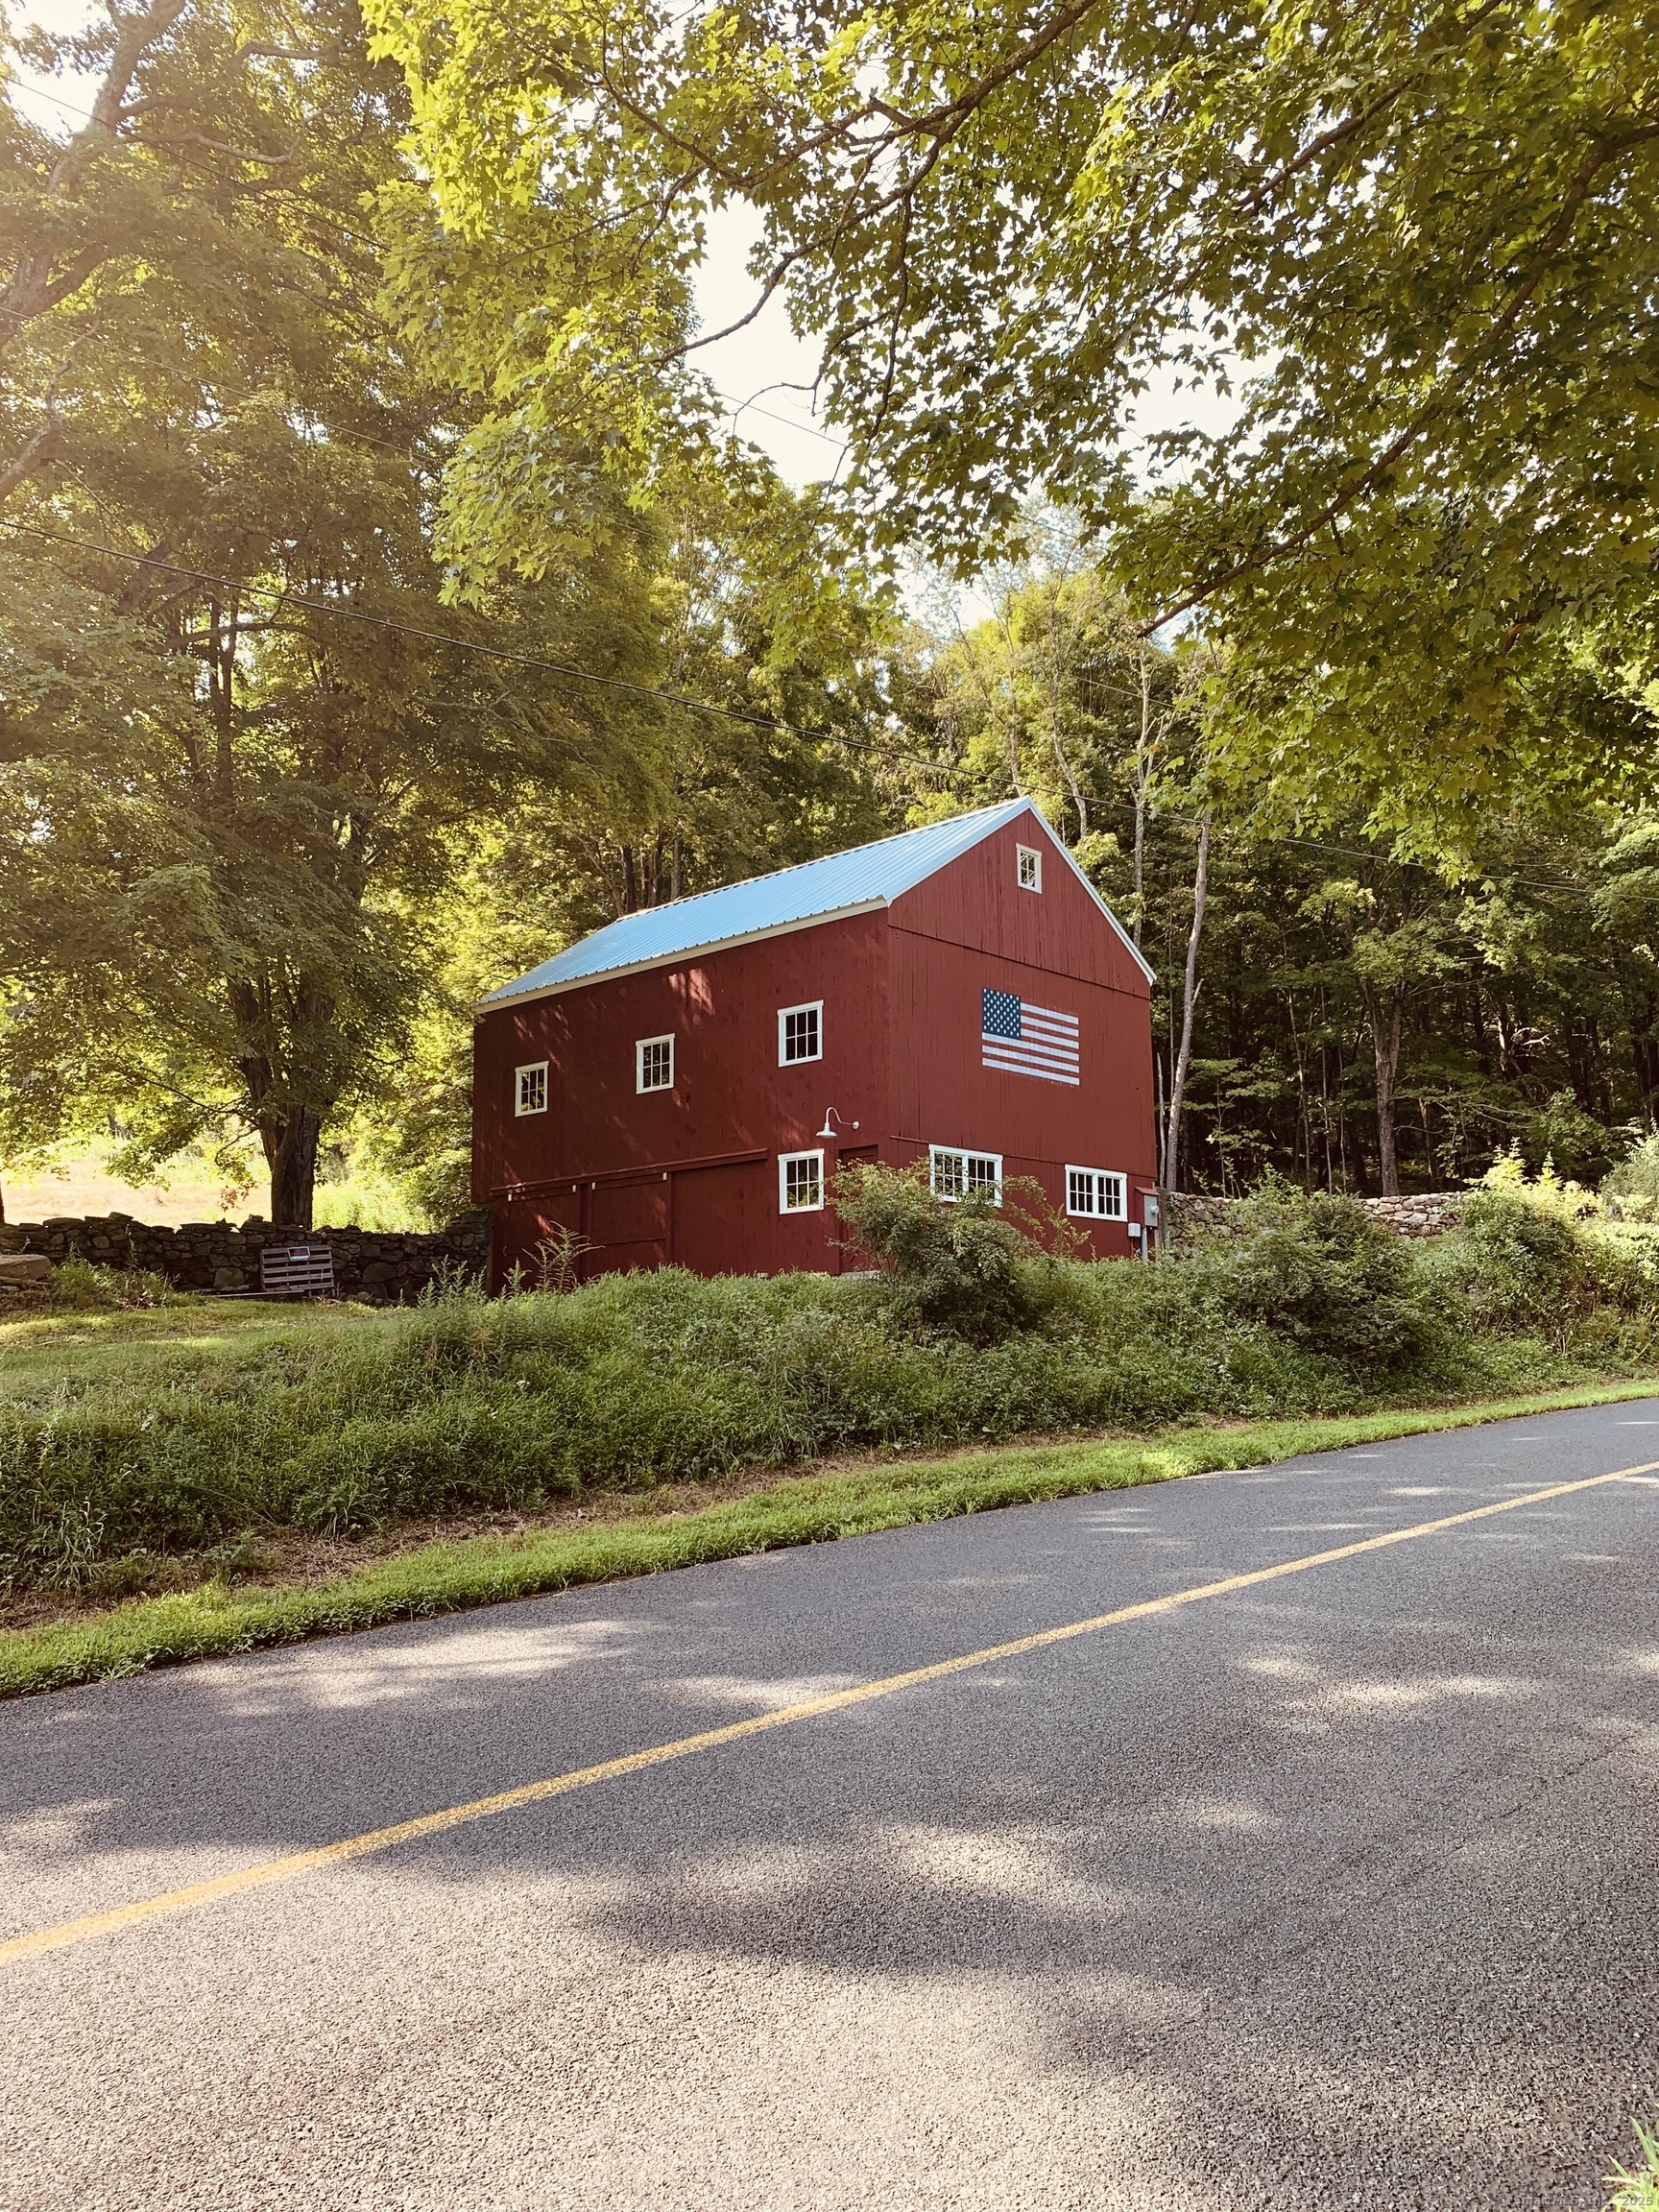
{"x":818,"y":861}
{"x":852,"y":880}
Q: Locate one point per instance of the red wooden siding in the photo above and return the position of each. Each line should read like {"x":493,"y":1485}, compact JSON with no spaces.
{"x":1059,"y":931}
{"x":719,"y":1212}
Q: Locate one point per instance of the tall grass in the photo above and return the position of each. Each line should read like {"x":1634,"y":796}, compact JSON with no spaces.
{"x":462,"y":1403}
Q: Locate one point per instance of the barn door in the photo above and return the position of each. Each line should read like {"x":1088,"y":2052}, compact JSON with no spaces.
{"x":528,"y":1232}
{"x":627,"y":1227}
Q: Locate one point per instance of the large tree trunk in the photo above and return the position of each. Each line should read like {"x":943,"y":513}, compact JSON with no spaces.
{"x":1075,"y":789}
{"x":1384,"y":1011}
{"x":1188,"y":1000}
{"x":292,"y":1162}
{"x":288,"y":1092}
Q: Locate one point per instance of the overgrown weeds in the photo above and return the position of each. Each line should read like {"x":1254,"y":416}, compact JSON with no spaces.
{"x":1636,"y":2188}
{"x":344,"y":1423}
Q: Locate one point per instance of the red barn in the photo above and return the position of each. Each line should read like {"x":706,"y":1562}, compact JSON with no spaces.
{"x":682,"y":1085}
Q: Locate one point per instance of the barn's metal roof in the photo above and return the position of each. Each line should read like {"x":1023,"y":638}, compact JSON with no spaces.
{"x":791,"y":898}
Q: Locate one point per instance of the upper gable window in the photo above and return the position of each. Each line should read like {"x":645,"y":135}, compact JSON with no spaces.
{"x":1030,"y":867}
{"x":654,"y":1064}
{"x":800,"y":1033}
{"x":530,"y":1086}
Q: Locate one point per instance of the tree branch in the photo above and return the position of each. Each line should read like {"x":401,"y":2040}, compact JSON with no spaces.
{"x":217,"y":146}
{"x":1611,"y":150}
{"x":1340,"y":133}
{"x":37,"y":284}
{"x":33,"y":456}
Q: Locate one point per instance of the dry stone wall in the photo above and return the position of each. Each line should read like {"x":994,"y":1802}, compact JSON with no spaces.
{"x":1421,"y":1213}
{"x":381,"y":1267}
{"x":389,"y":1269}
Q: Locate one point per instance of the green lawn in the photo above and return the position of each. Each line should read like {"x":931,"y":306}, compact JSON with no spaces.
{"x":452,"y":1575}
{"x":44,"y":1352}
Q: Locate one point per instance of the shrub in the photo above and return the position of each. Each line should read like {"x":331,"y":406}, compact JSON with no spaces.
{"x":1519,"y":1265}
{"x":973,"y":1266}
{"x":340,"y":1419}
{"x":1547,"y":1191}
{"x":1316,"y":1269}
{"x":1631,"y":1192}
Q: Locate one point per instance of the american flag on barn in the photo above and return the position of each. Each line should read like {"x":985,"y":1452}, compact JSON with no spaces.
{"x":1028,"y":1040}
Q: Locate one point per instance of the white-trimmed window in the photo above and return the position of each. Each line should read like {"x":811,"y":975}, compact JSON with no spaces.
{"x":1029,"y":867}
{"x":530,"y":1088}
{"x":1096,"y":1195}
{"x":800,"y":1182}
{"x":800,"y":1033}
{"x":954,"y":1174}
{"x":654,"y":1064}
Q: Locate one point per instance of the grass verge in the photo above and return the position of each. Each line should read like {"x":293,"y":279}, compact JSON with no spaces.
{"x":455,"y":1576}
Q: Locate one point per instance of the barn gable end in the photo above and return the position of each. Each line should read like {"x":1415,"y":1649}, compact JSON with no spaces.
{"x":1062,"y":929}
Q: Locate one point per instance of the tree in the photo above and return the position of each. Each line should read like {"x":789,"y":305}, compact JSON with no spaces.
{"x":1393,"y":945}
{"x":239,"y":731}
{"x":1419,"y":238}
{"x":1358,"y":1020}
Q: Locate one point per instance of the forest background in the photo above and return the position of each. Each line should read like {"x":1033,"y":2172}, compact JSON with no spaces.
{"x":384,"y":599}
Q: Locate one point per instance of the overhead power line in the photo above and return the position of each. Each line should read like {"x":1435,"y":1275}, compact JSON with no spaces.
{"x":283,"y":598}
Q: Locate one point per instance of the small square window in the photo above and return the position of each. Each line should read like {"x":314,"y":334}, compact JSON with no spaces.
{"x":800,"y":1033}
{"x":530,"y":1087}
{"x":954,"y":1174}
{"x":1030,"y":862}
{"x":801,"y":1181}
{"x":1096,"y":1195}
{"x":654,"y":1064}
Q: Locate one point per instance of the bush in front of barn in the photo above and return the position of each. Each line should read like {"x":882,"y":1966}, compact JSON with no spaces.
{"x":1317,"y":1270}
{"x":466,"y":1403}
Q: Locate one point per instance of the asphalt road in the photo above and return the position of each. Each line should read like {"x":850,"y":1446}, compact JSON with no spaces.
{"x":1340,"y":1888}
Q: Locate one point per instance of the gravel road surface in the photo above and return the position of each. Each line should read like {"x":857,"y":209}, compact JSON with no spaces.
{"x":1340,"y":1889}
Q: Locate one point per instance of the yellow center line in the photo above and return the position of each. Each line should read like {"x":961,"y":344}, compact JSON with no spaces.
{"x":69,"y":1932}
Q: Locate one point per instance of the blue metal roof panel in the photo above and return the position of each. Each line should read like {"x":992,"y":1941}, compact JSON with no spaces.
{"x":870,"y":874}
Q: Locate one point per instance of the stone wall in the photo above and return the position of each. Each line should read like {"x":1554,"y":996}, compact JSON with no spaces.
{"x":387,"y":1267}
{"x":382,"y":1266}
{"x":1420,"y":1214}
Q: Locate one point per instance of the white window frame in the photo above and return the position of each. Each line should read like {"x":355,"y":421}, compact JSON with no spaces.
{"x":1034,"y":855}
{"x":642,"y":1046}
{"x":788,"y":1159}
{"x":814,"y":1006}
{"x":1119,"y":1188}
{"x":534,"y":1068}
{"x":966,"y":1154}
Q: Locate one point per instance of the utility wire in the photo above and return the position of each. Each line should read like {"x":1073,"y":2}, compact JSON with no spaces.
{"x":812,"y":735}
